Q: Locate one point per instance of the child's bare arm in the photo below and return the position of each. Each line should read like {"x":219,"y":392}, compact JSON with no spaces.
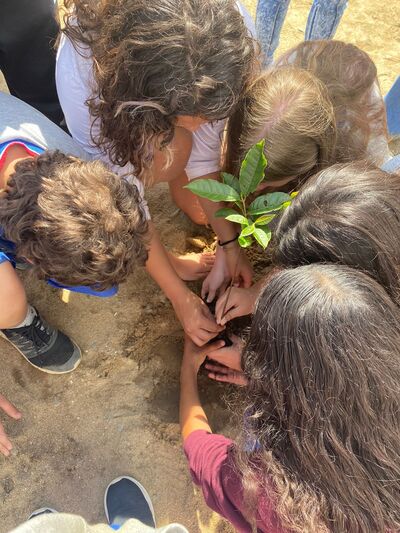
{"x":191,"y":413}
{"x":239,"y":268}
{"x":196,"y":319}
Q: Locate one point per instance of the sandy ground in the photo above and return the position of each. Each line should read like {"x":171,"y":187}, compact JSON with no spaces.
{"x":118,"y":413}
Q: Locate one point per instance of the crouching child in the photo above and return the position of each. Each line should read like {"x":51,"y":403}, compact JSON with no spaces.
{"x":73,"y":222}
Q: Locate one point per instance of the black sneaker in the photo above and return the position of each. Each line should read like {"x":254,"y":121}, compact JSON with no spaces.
{"x":43,"y":510}
{"x":44,"y":347}
{"x":126,"y":498}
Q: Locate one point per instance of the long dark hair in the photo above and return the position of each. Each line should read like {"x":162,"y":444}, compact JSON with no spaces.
{"x":347,"y":214}
{"x":323,"y":365}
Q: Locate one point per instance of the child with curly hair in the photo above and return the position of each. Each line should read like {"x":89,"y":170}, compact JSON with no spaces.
{"x":146,"y":86}
{"x":73,"y":222}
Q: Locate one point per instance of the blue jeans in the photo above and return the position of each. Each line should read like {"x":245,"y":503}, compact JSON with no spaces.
{"x":393,"y":165}
{"x":323,"y":20}
{"x":392,"y":102}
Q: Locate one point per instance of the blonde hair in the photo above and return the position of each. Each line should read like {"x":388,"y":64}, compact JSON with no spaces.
{"x":320,"y":104}
{"x":291,"y":110}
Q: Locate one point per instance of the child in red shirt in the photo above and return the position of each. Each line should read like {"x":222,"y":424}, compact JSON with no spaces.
{"x":321,"y":409}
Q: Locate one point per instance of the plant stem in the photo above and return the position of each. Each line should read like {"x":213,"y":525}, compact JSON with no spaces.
{"x":244,"y":210}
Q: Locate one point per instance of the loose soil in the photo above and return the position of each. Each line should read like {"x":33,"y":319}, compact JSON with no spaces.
{"x":118,"y":412}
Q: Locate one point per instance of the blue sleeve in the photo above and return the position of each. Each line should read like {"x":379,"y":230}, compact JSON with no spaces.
{"x":4,"y":258}
{"x":85,"y":290}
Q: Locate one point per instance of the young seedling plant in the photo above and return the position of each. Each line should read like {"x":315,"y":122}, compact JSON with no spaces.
{"x":254,"y":219}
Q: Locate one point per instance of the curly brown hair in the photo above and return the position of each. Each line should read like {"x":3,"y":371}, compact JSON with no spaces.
{"x":154,"y":61}
{"x":322,"y":402}
{"x":76,"y":221}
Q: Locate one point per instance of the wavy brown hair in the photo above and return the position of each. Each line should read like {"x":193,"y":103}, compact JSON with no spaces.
{"x":76,"y":221}
{"x":347,"y":214}
{"x":154,"y":61}
{"x":323,"y":365}
{"x":319,"y":104}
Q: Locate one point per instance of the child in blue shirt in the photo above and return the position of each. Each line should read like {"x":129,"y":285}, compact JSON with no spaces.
{"x":75,"y":224}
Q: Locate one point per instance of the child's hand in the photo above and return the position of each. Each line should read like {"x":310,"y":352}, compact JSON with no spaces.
{"x":196,"y":319}
{"x":10,"y":410}
{"x":219,"y":372}
{"x":239,"y":266}
{"x":229,"y":356}
{"x":191,"y":267}
{"x":235,"y":302}
{"x":218,"y":279}
{"x":194,"y":357}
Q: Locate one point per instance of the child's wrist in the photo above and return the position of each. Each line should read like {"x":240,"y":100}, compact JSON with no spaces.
{"x":234,"y":245}
{"x":227,"y":242}
{"x":176,"y":292}
{"x":189,"y":368}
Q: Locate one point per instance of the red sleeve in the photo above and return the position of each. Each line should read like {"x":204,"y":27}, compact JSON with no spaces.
{"x":212,"y":468}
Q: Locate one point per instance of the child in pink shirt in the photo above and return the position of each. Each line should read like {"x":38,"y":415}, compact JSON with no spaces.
{"x":319,"y":449}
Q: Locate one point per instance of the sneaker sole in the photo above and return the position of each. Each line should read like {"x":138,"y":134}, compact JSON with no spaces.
{"x":136,"y":482}
{"x":42,"y":510}
{"x":46,"y":369}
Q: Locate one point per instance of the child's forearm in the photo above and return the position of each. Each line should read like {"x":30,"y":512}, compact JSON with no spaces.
{"x":191,"y":311}
{"x":161,"y":270}
{"x":191,"y":413}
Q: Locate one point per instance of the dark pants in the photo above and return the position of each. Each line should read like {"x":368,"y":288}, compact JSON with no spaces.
{"x":28,"y":31}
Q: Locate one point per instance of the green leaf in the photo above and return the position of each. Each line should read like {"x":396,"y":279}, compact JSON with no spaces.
{"x":247,"y":230}
{"x":265,"y":219}
{"x":262,"y":236}
{"x":259,"y":205}
{"x":245,"y":242}
{"x":277,"y":198}
{"x":252,"y":169}
{"x":239,"y":219}
{"x":268,"y":203}
{"x":213,"y":190}
{"x":231,"y":180}
{"x":294,"y":194}
{"x":224,"y":212}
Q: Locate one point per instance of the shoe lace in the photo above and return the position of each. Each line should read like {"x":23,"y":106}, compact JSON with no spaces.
{"x":38,"y":332}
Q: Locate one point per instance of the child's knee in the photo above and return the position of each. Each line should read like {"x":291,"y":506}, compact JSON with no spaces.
{"x":197,"y":216}
{"x":12,"y":297}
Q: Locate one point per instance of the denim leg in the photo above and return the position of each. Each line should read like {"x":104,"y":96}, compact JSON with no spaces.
{"x":270,"y":16}
{"x":392,"y":102}
{"x":324,"y":18}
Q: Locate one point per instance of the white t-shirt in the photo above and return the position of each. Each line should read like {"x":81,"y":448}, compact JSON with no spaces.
{"x":75,"y":85}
